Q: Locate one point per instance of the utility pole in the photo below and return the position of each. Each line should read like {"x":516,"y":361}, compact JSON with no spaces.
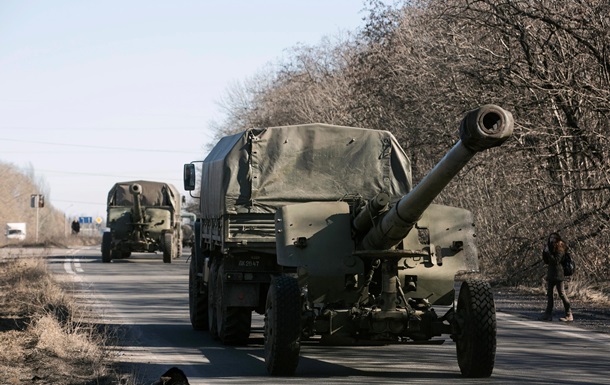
{"x":37,"y":201}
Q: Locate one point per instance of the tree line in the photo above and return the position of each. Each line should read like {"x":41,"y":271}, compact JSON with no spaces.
{"x":16,"y":192}
{"x":415,"y":67}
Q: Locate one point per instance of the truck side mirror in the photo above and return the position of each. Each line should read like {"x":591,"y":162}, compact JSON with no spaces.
{"x":189,"y":177}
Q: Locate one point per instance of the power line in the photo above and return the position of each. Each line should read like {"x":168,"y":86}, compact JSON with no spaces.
{"x":99,"y":147}
{"x":96,"y":174}
{"x":12,"y":128}
{"x":77,"y":202}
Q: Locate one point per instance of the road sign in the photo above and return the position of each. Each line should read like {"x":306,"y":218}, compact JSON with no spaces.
{"x":98,"y":220}
{"x":83,"y":220}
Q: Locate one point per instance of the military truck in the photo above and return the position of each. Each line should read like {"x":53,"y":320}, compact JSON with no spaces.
{"x":142,"y":216}
{"x":318,"y":228}
{"x":188,"y":224}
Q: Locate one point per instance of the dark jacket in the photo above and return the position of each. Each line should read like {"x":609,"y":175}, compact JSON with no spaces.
{"x":554,"y":261}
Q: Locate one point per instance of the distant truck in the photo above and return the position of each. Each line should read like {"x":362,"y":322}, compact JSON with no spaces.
{"x":143,"y":216}
{"x":188,"y":224}
{"x":15,"y":231}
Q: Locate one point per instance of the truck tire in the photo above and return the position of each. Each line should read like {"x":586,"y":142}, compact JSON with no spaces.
{"x":232,"y":322}
{"x":198,"y":297}
{"x":283,"y":326}
{"x":476,"y":326}
{"x":168,"y":248}
{"x":106,"y":247}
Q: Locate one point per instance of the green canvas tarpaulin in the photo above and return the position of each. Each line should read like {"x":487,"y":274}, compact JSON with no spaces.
{"x":153,"y":194}
{"x":259,"y":170}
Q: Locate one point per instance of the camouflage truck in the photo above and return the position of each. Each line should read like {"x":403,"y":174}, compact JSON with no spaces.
{"x":142,"y":216}
{"x":319,"y":228}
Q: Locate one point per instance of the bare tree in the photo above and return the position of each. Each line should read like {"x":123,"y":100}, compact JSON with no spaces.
{"x":418,"y":66}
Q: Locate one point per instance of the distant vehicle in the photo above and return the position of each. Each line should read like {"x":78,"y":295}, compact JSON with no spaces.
{"x":143,"y":216}
{"x":15,"y":231}
{"x":188,"y":225}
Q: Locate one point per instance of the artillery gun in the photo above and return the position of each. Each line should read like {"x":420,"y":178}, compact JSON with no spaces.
{"x":143,"y":216}
{"x":356,"y":255}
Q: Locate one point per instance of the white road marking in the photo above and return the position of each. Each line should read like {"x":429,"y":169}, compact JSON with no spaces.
{"x":77,"y":266}
{"x":68,"y":266}
{"x":68,"y":262}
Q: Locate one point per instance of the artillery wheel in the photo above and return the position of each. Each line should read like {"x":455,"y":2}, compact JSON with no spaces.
{"x":283,"y":326}
{"x":106,"y":247}
{"x":212,"y":299}
{"x":198,"y":297}
{"x":476,"y":329}
{"x":168,"y":248}
{"x":232,"y":322}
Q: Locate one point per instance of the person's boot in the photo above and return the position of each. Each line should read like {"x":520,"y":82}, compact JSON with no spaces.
{"x":568,"y":318}
{"x":546,"y":317}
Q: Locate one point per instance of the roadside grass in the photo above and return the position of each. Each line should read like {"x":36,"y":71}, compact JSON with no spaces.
{"x":45,"y":336}
{"x":583,"y":291}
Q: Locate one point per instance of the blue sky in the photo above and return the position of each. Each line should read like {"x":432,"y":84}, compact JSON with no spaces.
{"x":96,"y":92}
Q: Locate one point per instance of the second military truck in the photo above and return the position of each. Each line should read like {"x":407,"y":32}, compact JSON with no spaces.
{"x":319,"y":228}
{"x":142,"y":216}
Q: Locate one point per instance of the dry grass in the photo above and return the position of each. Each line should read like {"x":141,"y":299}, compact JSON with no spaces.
{"x":44,"y":338}
{"x":597,"y":294}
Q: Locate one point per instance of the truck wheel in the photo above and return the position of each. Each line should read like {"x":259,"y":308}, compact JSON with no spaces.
{"x":168,"y":248}
{"x":283,"y":326}
{"x":476,"y":326}
{"x":198,"y":297}
{"x":106,"y":247}
{"x":212,"y":300}
{"x":232,"y":322}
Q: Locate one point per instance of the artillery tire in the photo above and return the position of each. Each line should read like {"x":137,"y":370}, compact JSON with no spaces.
{"x":198,"y":297}
{"x":168,"y":248}
{"x":212,"y":299}
{"x":283,"y":326}
{"x":476,"y":329}
{"x":232,"y":322}
{"x":106,"y":247}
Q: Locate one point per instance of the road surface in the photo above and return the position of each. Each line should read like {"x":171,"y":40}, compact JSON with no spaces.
{"x":147,"y":301}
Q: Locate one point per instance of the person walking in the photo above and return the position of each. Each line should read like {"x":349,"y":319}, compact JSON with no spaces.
{"x":553,"y":255}
{"x":75,"y":227}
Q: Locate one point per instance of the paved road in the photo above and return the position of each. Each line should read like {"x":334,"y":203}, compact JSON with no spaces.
{"x":148,"y":300}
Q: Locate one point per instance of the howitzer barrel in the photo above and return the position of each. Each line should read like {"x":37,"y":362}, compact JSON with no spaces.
{"x":136,"y":190}
{"x":483,"y":128}
{"x":363,"y":221}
